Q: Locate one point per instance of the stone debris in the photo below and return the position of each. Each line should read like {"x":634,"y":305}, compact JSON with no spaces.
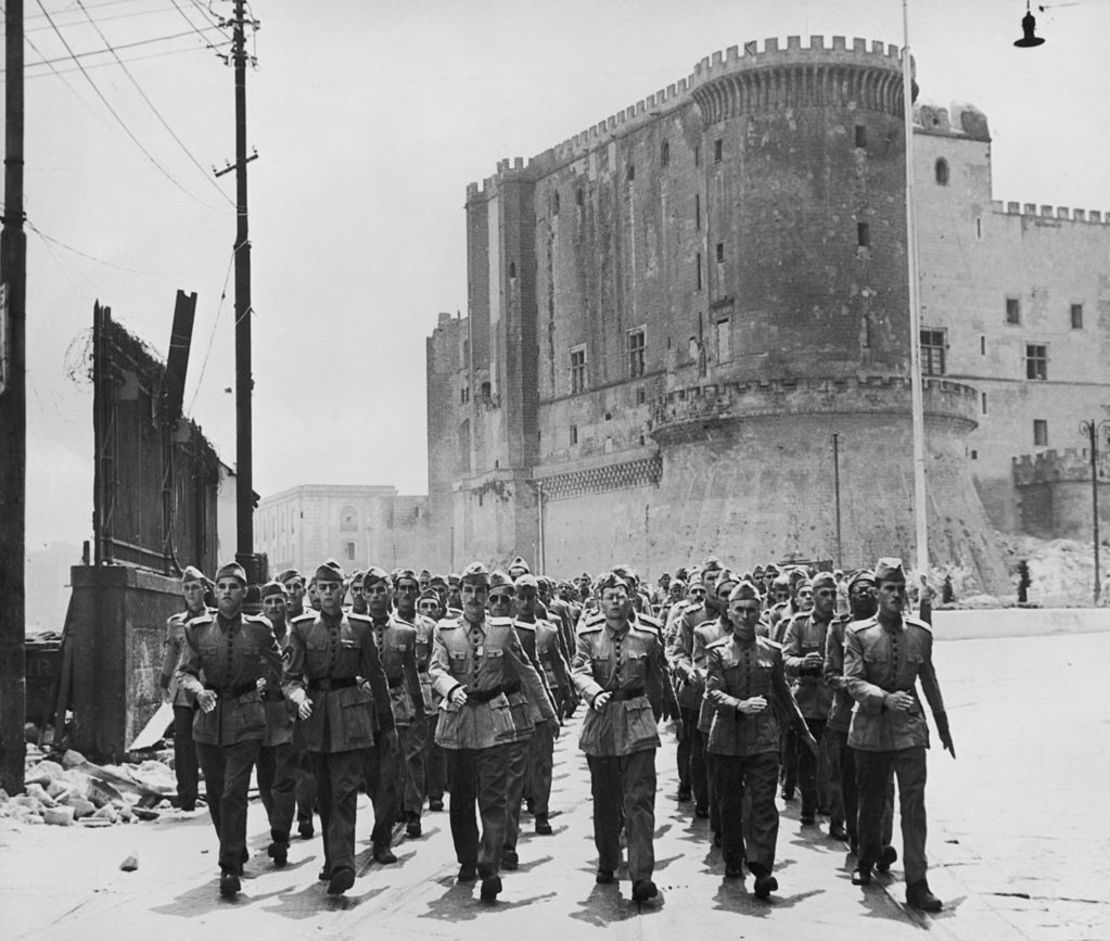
{"x":58,"y":816}
{"x":130,"y":864}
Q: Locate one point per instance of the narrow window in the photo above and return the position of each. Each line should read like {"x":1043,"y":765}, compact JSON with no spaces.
{"x":697,"y":272}
{"x":861,"y":135}
{"x":641,"y":396}
{"x":578,"y":369}
{"x":863,"y":234}
{"x":350,"y":552}
{"x":979,"y":227}
{"x":982,"y":345}
{"x":697,"y":156}
{"x":932,"y":352}
{"x":574,"y":434}
{"x":1040,"y":433}
{"x":941,"y":170}
{"x":555,"y":204}
{"x":974,"y":455}
{"x":697,"y":211}
{"x":720,"y":253}
{"x":665,"y":153}
{"x":636,"y":352}
{"x":1077,"y":316}
{"x":512,"y":270}
{"x":983,"y":402}
{"x":718,"y":150}
{"x":1036,"y":361}
{"x":1013,"y":310}
{"x":580,"y":197}
{"x":486,"y":389}
{"x":631,"y":173}
{"x":724,"y":340}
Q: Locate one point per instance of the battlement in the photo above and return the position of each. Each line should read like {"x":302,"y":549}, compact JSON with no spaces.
{"x":1055,"y":213}
{"x":958,"y":120}
{"x":1052,"y":466}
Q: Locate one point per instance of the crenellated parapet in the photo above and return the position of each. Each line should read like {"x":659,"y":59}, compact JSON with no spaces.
{"x":1052,"y":466}
{"x":961,"y":120}
{"x":685,"y":414}
{"x":1048,"y":213}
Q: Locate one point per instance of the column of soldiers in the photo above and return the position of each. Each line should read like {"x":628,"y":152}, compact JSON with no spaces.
{"x":426,"y":686}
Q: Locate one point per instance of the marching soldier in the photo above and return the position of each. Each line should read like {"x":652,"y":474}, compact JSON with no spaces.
{"x":406,"y":588}
{"x":233,"y":652}
{"x":616,"y":663}
{"x":884,"y":657}
{"x":747,"y":686}
{"x":435,"y":759}
{"x":306,"y":784}
{"x":330,"y":652}
{"x":186,"y":769}
{"x":384,"y":767}
{"x":480,"y":670}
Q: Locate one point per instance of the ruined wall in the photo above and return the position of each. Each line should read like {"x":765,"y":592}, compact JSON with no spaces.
{"x":1054,"y":494}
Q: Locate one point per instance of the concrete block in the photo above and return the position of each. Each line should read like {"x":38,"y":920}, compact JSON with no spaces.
{"x":59,"y":816}
{"x":43,"y":773}
{"x":130,"y":864}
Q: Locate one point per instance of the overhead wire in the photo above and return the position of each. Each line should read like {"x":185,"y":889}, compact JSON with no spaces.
{"x":126,"y":71}
{"x":103,"y":65}
{"x":75,"y":56}
{"x":212,"y":336}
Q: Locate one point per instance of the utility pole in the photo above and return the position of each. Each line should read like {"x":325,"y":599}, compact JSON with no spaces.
{"x":1092,"y":428}
{"x":836,"y":485}
{"x":13,"y":418}
{"x":244,"y":382}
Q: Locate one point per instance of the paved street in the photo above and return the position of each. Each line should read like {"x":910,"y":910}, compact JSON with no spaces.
{"x":1019,"y":843}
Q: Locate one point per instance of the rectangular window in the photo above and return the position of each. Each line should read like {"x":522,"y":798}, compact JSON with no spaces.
{"x":861,"y":135}
{"x":974,"y":455}
{"x":580,"y":197}
{"x":350,"y":552}
{"x":697,"y":156}
{"x":665,"y":153}
{"x":636,"y":352}
{"x":574,"y":434}
{"x":578,"y":369}
{"x":982,"y":345}
{"x":631,"y":172}
{"x":979,"y":227}
{"x":932,"y":352}
{"x":863,"y":235}
{"x":1036,"y":361}
{"x":697,"y":273}
{"x":983,"y":402}
{"x":718,"y":150}
{"x":1013,"y":310}
{"x":724,"y":340}
{"x":641,"y":396}
{"x":1077,"y":316}
{"x":720,"y":253}
{"x":697,"y":211}
{"x":1040,"y":433}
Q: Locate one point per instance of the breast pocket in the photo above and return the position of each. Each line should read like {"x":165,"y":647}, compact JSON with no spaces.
{"x":355,"y":706}
{"x":248,"y":715}
{"x":635,"y":666}
{"x":457,"y":664}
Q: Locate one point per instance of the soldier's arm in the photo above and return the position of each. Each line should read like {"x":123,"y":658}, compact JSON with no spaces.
{"x":293,"y":680}
{"x":370,"y":668}
{"x":834,"y":657}
{"x":171,"y":651}
{"x":716,"y":686}
{"x":439,"y":667}
{"x":697,"y":655}
{"x":582,"y":669}
{"x":271,"y":658}
{"x":188,"y":666}
{"x":792,"y":650}
{"x":561,"y":669}
{"x":869,"y":696}
{"x":412,"y":676}
{"x":678,"y":652}
{"x":670,"y":699}
{"x":533,"y":680}
{"x":929,"y":686}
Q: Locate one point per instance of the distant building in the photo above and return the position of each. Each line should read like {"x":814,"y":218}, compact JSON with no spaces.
{"x":673,"y":313}
{"x":358,"y":525}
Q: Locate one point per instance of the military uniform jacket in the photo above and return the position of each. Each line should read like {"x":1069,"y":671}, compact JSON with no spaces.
{"x":528,"y":632}
{"x":705,"y":634}
{"x":171,"y":657}
{"x":279,"y":710}
{"x":840,"y":712}
{"x":680,"y":649}
{"x":880,"y":660}
{"x":229,"y":657}
{"x":812,"y":691}
{"x":334,"y":662}
{"x":549,"y":654}
{"x":737,"y":671}
{"x":489,"y":662}
{"x":424,"y":627}
{"x":631,"y":664}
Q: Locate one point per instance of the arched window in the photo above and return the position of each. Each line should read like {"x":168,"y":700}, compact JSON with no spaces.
{"x":942,"y":171}
{"x":348,"y":520}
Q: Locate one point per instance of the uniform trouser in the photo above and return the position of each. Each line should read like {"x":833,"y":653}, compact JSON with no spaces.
{"x":414,"y":768}
{"x":337,"y":779}
{"x":699,"y":778}
{"x":842,"y":768}
{"x":623,"y":787}
{"x":810,"y":768}
{"x":185,"y":763}
{"x":711,"y":779}
{"x":227,"y":776}
{"x":514,"y":793}
{"x":479,"y":776}
{"x":541,"y":764}
{"x":788,"y":747}
{"x":682,"y":752}
{"x":277,"y":786}
{"x":435,"y":764}
{"x":873,"y":770}
{"x":306,"y":786}
{"x":749,"y":816}
{"x":382,"y":770}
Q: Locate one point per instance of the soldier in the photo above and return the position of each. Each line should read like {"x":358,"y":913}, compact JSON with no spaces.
{"x":435,"y":758}
{"x":747,"y":687}
{"x":884,"y":657}
{"x":406,"y":588}
{"x":277,"y":759}
{"x":479,"y":668}
{"x":804,"y":658}
{"x":454,"y":599}
{"x":358,"y":602}
{"x":332,"y":660}
{"x":186,"y":769}
{"x":306,"y":784}
{"x":384,"y":766}
{"x":233,"y":651}
{"x":616,"y":663}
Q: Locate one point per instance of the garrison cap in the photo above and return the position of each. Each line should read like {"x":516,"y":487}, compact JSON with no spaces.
{"x":405,"y":575}
{"x":745,"y":591}
{"x":801,"y":583}
{"x":527,"y":580}
{"x":273,"y":587}
{"x":681,"y":572}
{"x":824,"y":580}
{"x":628,"y":574}
{"x":454,"y":579}
{"x":283,"y":577}
{"x":770,"y":569}
{"x":612,"y":579}
{"x":428,"y":595}
{"x":781,"y":581}
{"x":861,"y":575}
{"x":232,"y":570}
{"x":500,"y":579}
{"x":373,"y":575}
{"x":330,"y":571}
{"x":519,"y":563}
{"x":712,"y":564}
{"x":437,"y":580}
{"x":357,"y":577}
{"x":475,"y":572}
{"x":889,"y":569}
{"x":758,"y":570}
{"x":695,"y":575}
{"x":723,"y":578}
{"x":676,"y":582}
{"x":193,"y":574}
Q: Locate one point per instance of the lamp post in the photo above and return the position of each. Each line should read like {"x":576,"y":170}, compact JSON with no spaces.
{"x":1091,"y":429}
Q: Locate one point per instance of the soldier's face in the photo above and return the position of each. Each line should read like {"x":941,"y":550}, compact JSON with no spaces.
{"x":229,"y":596}
{"x":804,"y":599}
{"x":722,"y":595}
{"x":407,"y":590}
{"x":356,"y":590}
{"x":824,"y":601}
{"x":892,"y":598}
{"x":696,"y":594}
{"x":295,"y":587}
{"x":473,"y":596}
{"x":861,"y":597}
{"x":614,"y":602}
{"x":429,"y":608}
{"x":526,"y":601}
{"x":273,"y":606}
{"x":331,"y":596}
{"x":377,"y":599}
{"x":193,"y":593}
{"x":500,"y":602}
{"x":743,"y":614}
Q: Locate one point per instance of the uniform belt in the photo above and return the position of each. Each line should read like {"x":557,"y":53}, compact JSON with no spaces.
{"x":421,"y":669}
{"x":397,"y":682}
{"x":485,"y":695}
{"x":619,"y":694}
{"x":233,"y":692}
{"x":315,"y":686}
{"x":272,"y":695}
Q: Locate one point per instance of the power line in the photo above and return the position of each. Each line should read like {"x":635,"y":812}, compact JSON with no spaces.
{"x":216,"y":25}
{"x":75,"y":56}
{"x":102,"y":65}
{"x":157,"y":113}
{"x":212,"y":336}
{"x":169,"y":176}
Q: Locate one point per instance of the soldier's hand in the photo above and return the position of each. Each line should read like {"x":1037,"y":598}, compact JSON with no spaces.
{"x":813,"y":659}
{"x":260,"y":683}
{"x":167,"y":696}
{"x":206,"y":699}
{"x":391,"y":741}
{"x":946,"y":741}
{"x":458,"y":696}
{"x":304,"y":710}
{"x":753,"y":706}
{"x":601,"y":700}
{"x":811,"y":744}
{"x":679,"y":729}
{"x":553,"y":724}
{"x":900,"y":701}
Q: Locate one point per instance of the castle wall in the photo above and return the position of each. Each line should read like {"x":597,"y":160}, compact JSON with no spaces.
{"x":1054,"y":494}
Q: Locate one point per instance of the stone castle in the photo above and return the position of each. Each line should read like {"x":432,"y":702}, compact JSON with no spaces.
{"x":687,"y":330}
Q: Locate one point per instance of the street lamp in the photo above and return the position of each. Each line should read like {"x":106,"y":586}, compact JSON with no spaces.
{"x":1091,"y":429}
{"x":1028,"y":25}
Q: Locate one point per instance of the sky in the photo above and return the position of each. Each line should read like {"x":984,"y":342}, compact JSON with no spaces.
{"x":369,"y":118}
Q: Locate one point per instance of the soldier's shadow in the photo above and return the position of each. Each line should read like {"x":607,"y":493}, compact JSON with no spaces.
{"x":877,"y":903}
{"x":605,"y":904}
{"x":205,"y":899}
{"x":733,"y":896}
{"x":533,"y":864}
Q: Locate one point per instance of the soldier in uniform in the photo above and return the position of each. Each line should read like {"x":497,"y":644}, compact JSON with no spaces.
{"x":747,"y":686}
{"x":333,"y":658}
{"x":186,"y":769}
{"x":358,"y":602}
{"x":233,"y":652}
{"x":617,"y":663}
{"x":479,"y":669}
{"x":384,"y":765}
{"x":406,"y":588}
{"x":435,"y":758}
{"x":884,"y":657}
{"x":804,"y":657}
{"x":306,"y":784}
{"x":277,"y":759}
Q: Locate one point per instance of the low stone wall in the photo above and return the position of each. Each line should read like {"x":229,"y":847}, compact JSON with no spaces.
{"x":1018,"y":622}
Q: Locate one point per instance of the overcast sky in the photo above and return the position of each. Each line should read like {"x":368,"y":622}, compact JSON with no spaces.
{"x":370,"y":117}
